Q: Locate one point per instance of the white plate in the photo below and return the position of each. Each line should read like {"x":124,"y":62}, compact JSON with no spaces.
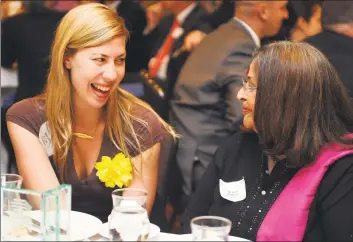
{"x":154,"y":231}
{"x":188,"y":237}
{"x":82,"y":225}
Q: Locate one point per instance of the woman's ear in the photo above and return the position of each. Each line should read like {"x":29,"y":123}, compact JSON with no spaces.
{"x":67,"y":62}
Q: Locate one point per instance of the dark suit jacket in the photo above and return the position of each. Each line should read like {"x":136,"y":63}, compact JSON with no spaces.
{"x":194,"y":21}
{"x":27,"y":39}
{"x":204,"y":108}
{"x":136,"y":21}
{"x":338,"y":49}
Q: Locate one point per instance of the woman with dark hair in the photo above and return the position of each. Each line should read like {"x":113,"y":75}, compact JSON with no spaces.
{"x":289,"y":177}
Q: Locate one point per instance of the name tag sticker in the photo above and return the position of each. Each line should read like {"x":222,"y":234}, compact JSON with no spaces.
{"x":45,"y":139}
{"x":233,"y":191}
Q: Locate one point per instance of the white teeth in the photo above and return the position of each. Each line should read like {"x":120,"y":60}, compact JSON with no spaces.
{"x":104,"y":89}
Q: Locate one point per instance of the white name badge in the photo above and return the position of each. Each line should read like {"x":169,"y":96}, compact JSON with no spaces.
{"x":233,"y":191}
{"x":45,"y":139}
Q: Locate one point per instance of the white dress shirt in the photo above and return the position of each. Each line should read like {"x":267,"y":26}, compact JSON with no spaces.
{"x":251,"y":32}
{"x":162,"y":72}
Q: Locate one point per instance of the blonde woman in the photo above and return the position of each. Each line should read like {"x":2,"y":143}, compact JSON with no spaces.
{"x":83,"y":115}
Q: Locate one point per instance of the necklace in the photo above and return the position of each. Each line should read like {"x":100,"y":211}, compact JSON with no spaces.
{"x":86,"y":136}
{"x":82,"y":135}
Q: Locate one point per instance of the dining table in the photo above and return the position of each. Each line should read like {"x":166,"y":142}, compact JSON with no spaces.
{"x":165,"y":237}
{"x":161,"y":237}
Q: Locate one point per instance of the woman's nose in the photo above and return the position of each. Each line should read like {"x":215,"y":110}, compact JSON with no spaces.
{"x":110,"y":73}
{"x":241,"y":95}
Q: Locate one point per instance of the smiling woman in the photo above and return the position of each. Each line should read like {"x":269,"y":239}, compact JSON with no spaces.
{"x":97,"y":71}
{"x":83,"y":117}
{"x":291,"y":178}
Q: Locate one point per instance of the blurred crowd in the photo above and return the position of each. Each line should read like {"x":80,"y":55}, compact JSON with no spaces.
{"x":186,"y":59}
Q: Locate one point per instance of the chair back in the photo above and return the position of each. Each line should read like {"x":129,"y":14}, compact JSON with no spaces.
{"x":168,"y":177}
{"x":154,"y":95}
{"x":167,"y":163}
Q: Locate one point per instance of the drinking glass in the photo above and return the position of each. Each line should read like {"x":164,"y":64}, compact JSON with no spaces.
{"x":210,"y":228}
{"x":8,"y":181}
{"x":129,"y":219}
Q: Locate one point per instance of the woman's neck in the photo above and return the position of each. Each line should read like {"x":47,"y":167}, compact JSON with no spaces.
{"x":270,"y":164}
{"x":86,"y":118}
{"x":273,"y":160}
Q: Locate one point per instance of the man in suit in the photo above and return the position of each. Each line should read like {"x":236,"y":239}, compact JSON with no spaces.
{"x":204,"y":109}
{"x":307,"y":16}
{"x":26,"y":39}
{"x":167,"y":57}
{"x":336,"y":39}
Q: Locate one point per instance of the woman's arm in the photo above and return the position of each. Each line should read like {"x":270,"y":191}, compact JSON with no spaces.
{"x":32,"y":160}
{"x":148,"y":177}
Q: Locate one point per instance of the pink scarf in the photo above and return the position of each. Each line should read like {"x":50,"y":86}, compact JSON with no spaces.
{"x":284,"y":223}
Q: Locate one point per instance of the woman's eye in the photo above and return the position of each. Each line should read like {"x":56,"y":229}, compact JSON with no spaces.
{"x":100,"y":60}
{"x":121,"y":60}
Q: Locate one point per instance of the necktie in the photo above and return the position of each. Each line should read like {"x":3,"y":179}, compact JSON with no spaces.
{"x":163,"y":51}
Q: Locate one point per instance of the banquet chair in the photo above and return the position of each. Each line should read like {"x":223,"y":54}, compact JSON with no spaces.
{"x":168,"y":183}
{"x":154,"y":95}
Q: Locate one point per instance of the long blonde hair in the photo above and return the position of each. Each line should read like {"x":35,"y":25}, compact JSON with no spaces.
{"x":87,"y":26}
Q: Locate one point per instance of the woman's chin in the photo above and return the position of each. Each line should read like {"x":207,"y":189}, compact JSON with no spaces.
{"x":248,"y":122}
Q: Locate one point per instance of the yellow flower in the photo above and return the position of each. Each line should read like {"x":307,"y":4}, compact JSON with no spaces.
{"x":115,"y":172}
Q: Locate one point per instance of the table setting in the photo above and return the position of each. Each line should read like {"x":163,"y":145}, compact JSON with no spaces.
{"x":28,"y":215}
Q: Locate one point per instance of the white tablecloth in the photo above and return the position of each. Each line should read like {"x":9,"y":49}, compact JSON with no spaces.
{"x":168,"y":237}
{"x":160,"y":237}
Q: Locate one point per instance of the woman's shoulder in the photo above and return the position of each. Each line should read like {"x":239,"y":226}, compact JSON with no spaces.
{"x":237,"y":139}
{"x":147,"y":118}
{"x":337,"y":181}
{"x":148,"y":126}
{"x":338,"y":170}
{"x":141,"y":111}
{"x":231,"y":146}
{"x":29,"y":106}
{"x":28,"y":113}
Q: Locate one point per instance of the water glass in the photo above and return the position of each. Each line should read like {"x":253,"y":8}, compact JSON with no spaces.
{"x":129,"y":196}
{"x":8,"y":181}
{"x":210,"y":228}
{"x":129,"y":218}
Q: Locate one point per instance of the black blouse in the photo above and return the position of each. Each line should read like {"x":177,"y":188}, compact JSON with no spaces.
{"x":241,"y":159}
